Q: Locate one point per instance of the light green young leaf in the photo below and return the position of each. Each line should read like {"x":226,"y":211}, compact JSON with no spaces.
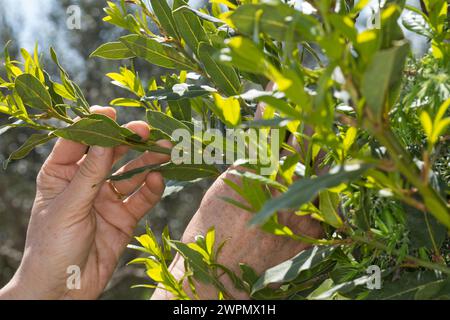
{"x":126,"y":102}
{"x":328,"y":206}
{"x":244,"y":55}
{"x":196,"y":261}
{"x":342,"y":288}
{"x":150,"y":244}
{"x":281,"y":106}
{"x":227,"y":109}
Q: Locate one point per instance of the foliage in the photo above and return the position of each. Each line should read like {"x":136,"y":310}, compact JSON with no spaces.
{"x":379,"y":118}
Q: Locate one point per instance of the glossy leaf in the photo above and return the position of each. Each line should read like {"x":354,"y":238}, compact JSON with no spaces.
{"x":227,"y":109}
{"x":98,"y":130}
{"x":155,"y":52}
{"x":328,"y":206}
{"x":32,"y":142}
{"x":225,"y":77}
{"x":199,"y":266}
{"x":170,"y":171}
{"x":179,"y":92}
{"x":290,"y":269}
{"x":163,"y":122}
{"x":420,"y":285}
{"x":382,"y":79}
{"x":113,"y":51}
{"x":304,"y":191}
{"x":165,"y":17}
{"x":190,"y":27}
{"x":32,"y":92}
{"x":280,"y":21}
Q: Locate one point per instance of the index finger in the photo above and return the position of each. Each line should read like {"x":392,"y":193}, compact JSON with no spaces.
{"x":66,"y":152}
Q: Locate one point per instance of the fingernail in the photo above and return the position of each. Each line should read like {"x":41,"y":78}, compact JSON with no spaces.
{"x":98,"y":151}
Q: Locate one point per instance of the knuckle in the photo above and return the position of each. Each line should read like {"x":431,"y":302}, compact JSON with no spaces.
{"x":89,"y":169}
{"x":147,"y":196}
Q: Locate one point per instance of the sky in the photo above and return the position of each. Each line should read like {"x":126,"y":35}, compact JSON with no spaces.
{"x":29,"y":20}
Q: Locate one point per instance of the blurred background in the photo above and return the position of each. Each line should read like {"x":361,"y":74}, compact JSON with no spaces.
{"x":27,"y":22}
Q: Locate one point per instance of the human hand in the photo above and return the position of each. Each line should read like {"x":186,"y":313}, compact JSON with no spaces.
{"x":79,"y":220}
{"x":252,"y":246}
{"x":243,"y":244}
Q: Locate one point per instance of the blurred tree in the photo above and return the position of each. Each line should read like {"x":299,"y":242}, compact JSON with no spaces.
{"x":17,"y":183}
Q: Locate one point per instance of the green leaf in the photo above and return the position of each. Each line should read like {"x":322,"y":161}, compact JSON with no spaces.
{"x":328,"y":206}
{"x":205,"y":16}
{"x":210,"y":240}
{"x":171,"y":171}
{"x":113,"y":51}
{"x":281,"y":106}
{"x":325,"y":286}
{"x":280,"y":21}
{"x":290,"y":269}
{"x":225,"y":77}
{"x":179,"y":92}
{"x":165,"y":17}
{"x":195,"y":260}
{"x":151,"y":245}
{"x":98,"y":130}
{"x":382,"y":79}
{"x":32,"y":92}
{"x":156,"y":53}
{"x":411,"y":285}
{"x":32,"y":142}
{"x":342,"y":288}
{"x":362,"y":214}
{"x":189,"y":172}
{"x":181,"y":109}
{"x":424,"y":229}
{"x":163,"y":122}
{"x":261,"y":179}
{"x":244,"y":55}
{"x":227,"y":109}
{"x":190,"y":27}
{"x":70,"y":86}
{"x":304,"y":191}
{"x":126,"y":102}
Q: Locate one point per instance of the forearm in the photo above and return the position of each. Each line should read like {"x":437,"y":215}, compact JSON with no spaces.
{"x":14,"y":291}
{"x":8,"y":293}
{"x":27,"y":285}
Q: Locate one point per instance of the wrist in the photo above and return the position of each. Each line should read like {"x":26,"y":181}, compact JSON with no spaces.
{"x":11,"y":291}
{"x":19,"y":288}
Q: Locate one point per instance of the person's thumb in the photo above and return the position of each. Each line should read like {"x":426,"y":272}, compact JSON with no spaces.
{"x":87,"y":181}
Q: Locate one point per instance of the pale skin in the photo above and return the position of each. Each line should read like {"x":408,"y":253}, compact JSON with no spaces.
{"x":78,"y":219}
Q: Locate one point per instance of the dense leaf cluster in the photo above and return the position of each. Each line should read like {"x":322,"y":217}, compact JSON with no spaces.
{"x":371,"y":121}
